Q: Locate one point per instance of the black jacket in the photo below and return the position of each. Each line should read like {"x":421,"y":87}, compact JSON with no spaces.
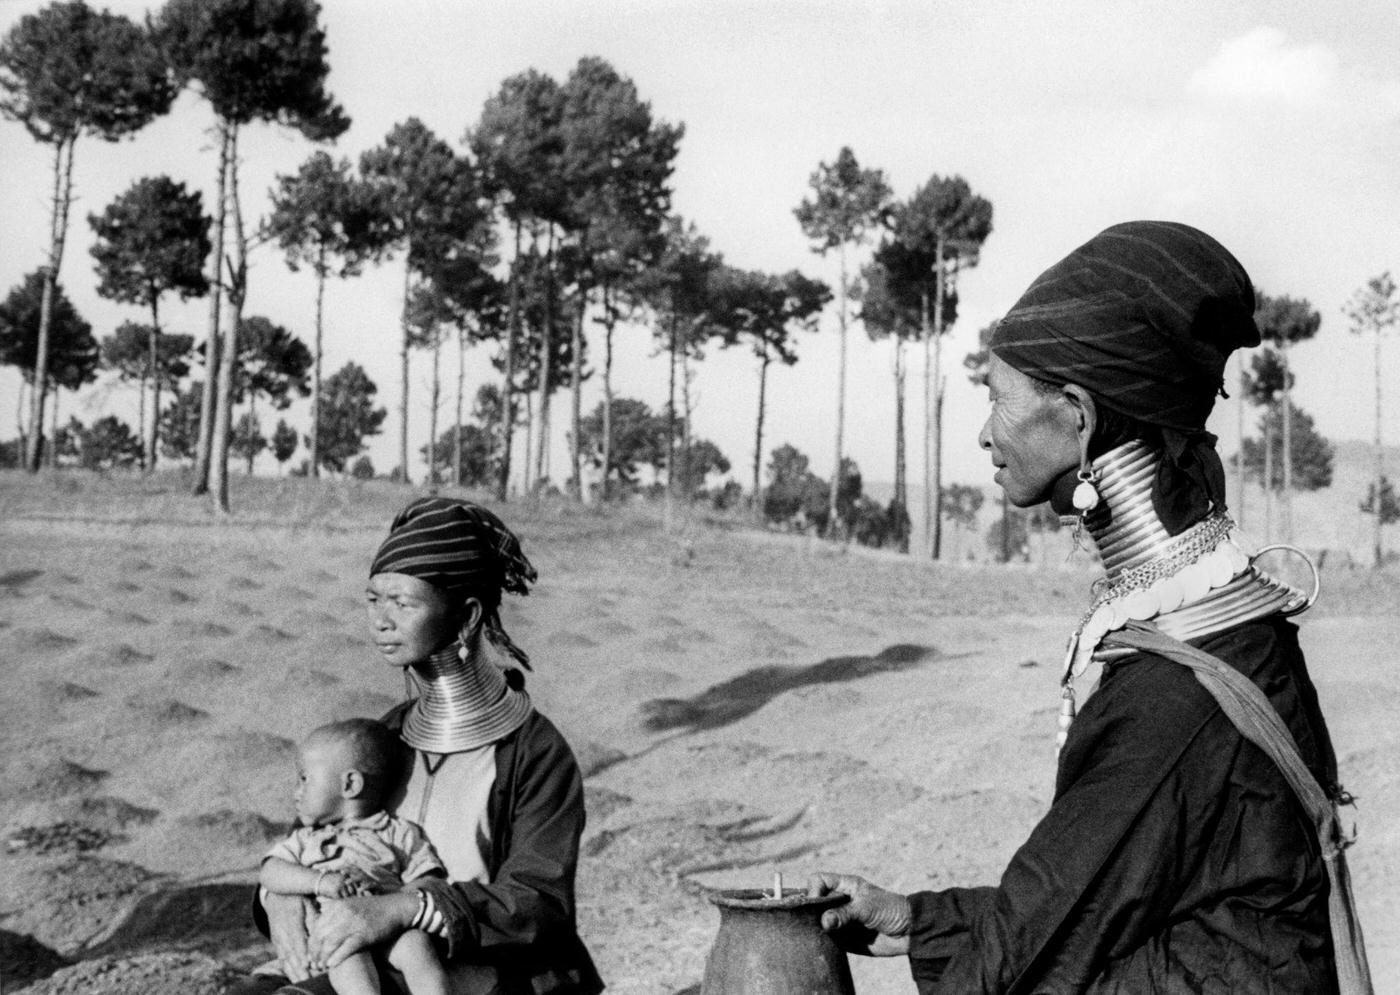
{"x":523,"y":922}
{"x":1174,"y":857}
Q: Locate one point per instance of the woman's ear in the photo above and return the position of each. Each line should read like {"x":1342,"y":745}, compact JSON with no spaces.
{"x":1086,"y":415}
{"x":472,"y":615}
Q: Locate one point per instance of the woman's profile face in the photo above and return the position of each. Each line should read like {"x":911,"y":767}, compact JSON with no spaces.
{"x":409,"y":619}
{"x":1031,"y":435}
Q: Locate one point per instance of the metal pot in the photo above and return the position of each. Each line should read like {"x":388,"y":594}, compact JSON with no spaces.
{"x":775,"y":946}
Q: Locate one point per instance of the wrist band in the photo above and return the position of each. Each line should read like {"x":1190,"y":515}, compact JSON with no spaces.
{"x":421,"y":917}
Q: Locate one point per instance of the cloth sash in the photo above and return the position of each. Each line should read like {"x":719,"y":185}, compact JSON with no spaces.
{"x":1258,"y":721}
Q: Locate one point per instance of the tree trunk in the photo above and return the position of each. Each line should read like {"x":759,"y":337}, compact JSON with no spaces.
{"x":156,"y":384}
{"x":141,"y":408}
{"x":576,"y":373}
{"x":1268,"y":477}
{"x":527,"y":465}
{"x":1239,"y":453}
{"x":62,"y":242}
{"x":901,"y":480}
{"x":507,"y":415}
{"x":228,"y":365}
{"x":546,"y":361}
{"x":19,"y":417}
{"x":58,"y":232}
{"x":833,"y":512}
{"x":936,"y":436}
{"x":527,"y":483}
{"x":34,"y":444}
{"x":528,"y":462}
{"x":686,"y":413}
{"x":51,"y":452}
{"x":403,"y":373}
{"x":1286,"y":506}
{"x":252,"y":429}
{"x":671,"y":419}
{"x":315,"y":437}
{"x":542,"y":469}
{"x":461,"y":391}
{"x":763,"y":362}
{"x":433,"y":408}
{"x":1380,"y":457}
{"x":926,"y":333}
{"x":607,"y":391}
{"x":204,"y":444}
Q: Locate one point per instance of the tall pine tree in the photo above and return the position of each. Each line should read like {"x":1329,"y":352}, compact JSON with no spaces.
{"x":65,"y":72}
{"x":252,"y":60}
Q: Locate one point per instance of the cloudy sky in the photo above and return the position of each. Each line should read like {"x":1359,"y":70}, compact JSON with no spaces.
{"x":1274,"y":126}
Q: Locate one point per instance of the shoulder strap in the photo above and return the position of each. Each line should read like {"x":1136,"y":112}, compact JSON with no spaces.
{"x":1258,"y":721}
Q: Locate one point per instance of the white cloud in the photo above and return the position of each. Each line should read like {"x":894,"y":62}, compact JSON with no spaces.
{"x":1263,"y":65}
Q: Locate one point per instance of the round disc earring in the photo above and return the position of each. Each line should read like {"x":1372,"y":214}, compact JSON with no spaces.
{"x":1086,"y":496}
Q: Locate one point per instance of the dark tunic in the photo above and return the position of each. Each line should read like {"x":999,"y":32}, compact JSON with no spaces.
{"x":523,"y":922}
{"x":1174,"y":857}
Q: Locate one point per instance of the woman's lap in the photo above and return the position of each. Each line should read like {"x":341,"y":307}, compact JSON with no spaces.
{"x":469,"y":979}
{"x":275,"y":984}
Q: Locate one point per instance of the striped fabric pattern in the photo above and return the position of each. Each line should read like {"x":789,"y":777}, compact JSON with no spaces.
{"x":456,"y":546}
{"x":1143,"y":316}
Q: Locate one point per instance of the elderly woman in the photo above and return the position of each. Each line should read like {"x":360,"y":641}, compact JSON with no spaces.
{"x":491,"y":781}
{"x":1175,"y":856}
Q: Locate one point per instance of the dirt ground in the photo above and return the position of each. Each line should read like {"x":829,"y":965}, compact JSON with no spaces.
{"x":741,"y":703}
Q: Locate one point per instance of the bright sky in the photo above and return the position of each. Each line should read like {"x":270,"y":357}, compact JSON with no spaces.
{"x":1273,"y":126}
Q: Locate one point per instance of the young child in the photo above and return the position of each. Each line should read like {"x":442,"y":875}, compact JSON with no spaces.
{"x":348,"y":845}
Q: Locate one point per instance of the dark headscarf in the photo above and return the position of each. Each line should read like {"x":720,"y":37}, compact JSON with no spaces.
{"x":1143,"y":316}
{"x":463,"y":549}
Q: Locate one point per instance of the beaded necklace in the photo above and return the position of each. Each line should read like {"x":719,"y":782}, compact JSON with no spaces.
{"x":1190,"y":585}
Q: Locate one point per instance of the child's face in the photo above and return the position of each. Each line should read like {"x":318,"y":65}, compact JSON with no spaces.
{"x":320,"y":769}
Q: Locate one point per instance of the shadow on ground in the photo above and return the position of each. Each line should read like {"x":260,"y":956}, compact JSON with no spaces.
{"x":24,"y":960}
{"x":210,"y":918}
{"x":741,"y":696}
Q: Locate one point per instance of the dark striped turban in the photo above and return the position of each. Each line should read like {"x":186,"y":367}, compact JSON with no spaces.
{"x":1143,"y":316}
{"x":456,"y":546}
{"x":463,"y":549}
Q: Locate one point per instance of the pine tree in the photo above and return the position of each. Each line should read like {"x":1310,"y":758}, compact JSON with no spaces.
{"x":254,"y":60}
{"x":848,"y":203}
{"x":151,"y":241}
{"x":65,"y":72}
{"x":325,"y":218}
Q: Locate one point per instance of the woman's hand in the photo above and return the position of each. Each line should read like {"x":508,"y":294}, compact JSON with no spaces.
{"x":875,"y":922}
{"x":288,"y":922}
{"x":348,"y":925}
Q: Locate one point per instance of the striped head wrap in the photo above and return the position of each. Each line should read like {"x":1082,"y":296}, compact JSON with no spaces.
{"x":463,"y":549}
{"x":1143,"y":316}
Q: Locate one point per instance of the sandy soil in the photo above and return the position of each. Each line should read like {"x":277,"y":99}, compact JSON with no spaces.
{"x":740,"y":703}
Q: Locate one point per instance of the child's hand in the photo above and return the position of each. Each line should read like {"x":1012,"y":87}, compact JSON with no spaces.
{"x":334,"y":884}
{"x":357,"y":882}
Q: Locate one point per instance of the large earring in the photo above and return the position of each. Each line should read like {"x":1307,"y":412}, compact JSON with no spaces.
{"x":1086,"y":495}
